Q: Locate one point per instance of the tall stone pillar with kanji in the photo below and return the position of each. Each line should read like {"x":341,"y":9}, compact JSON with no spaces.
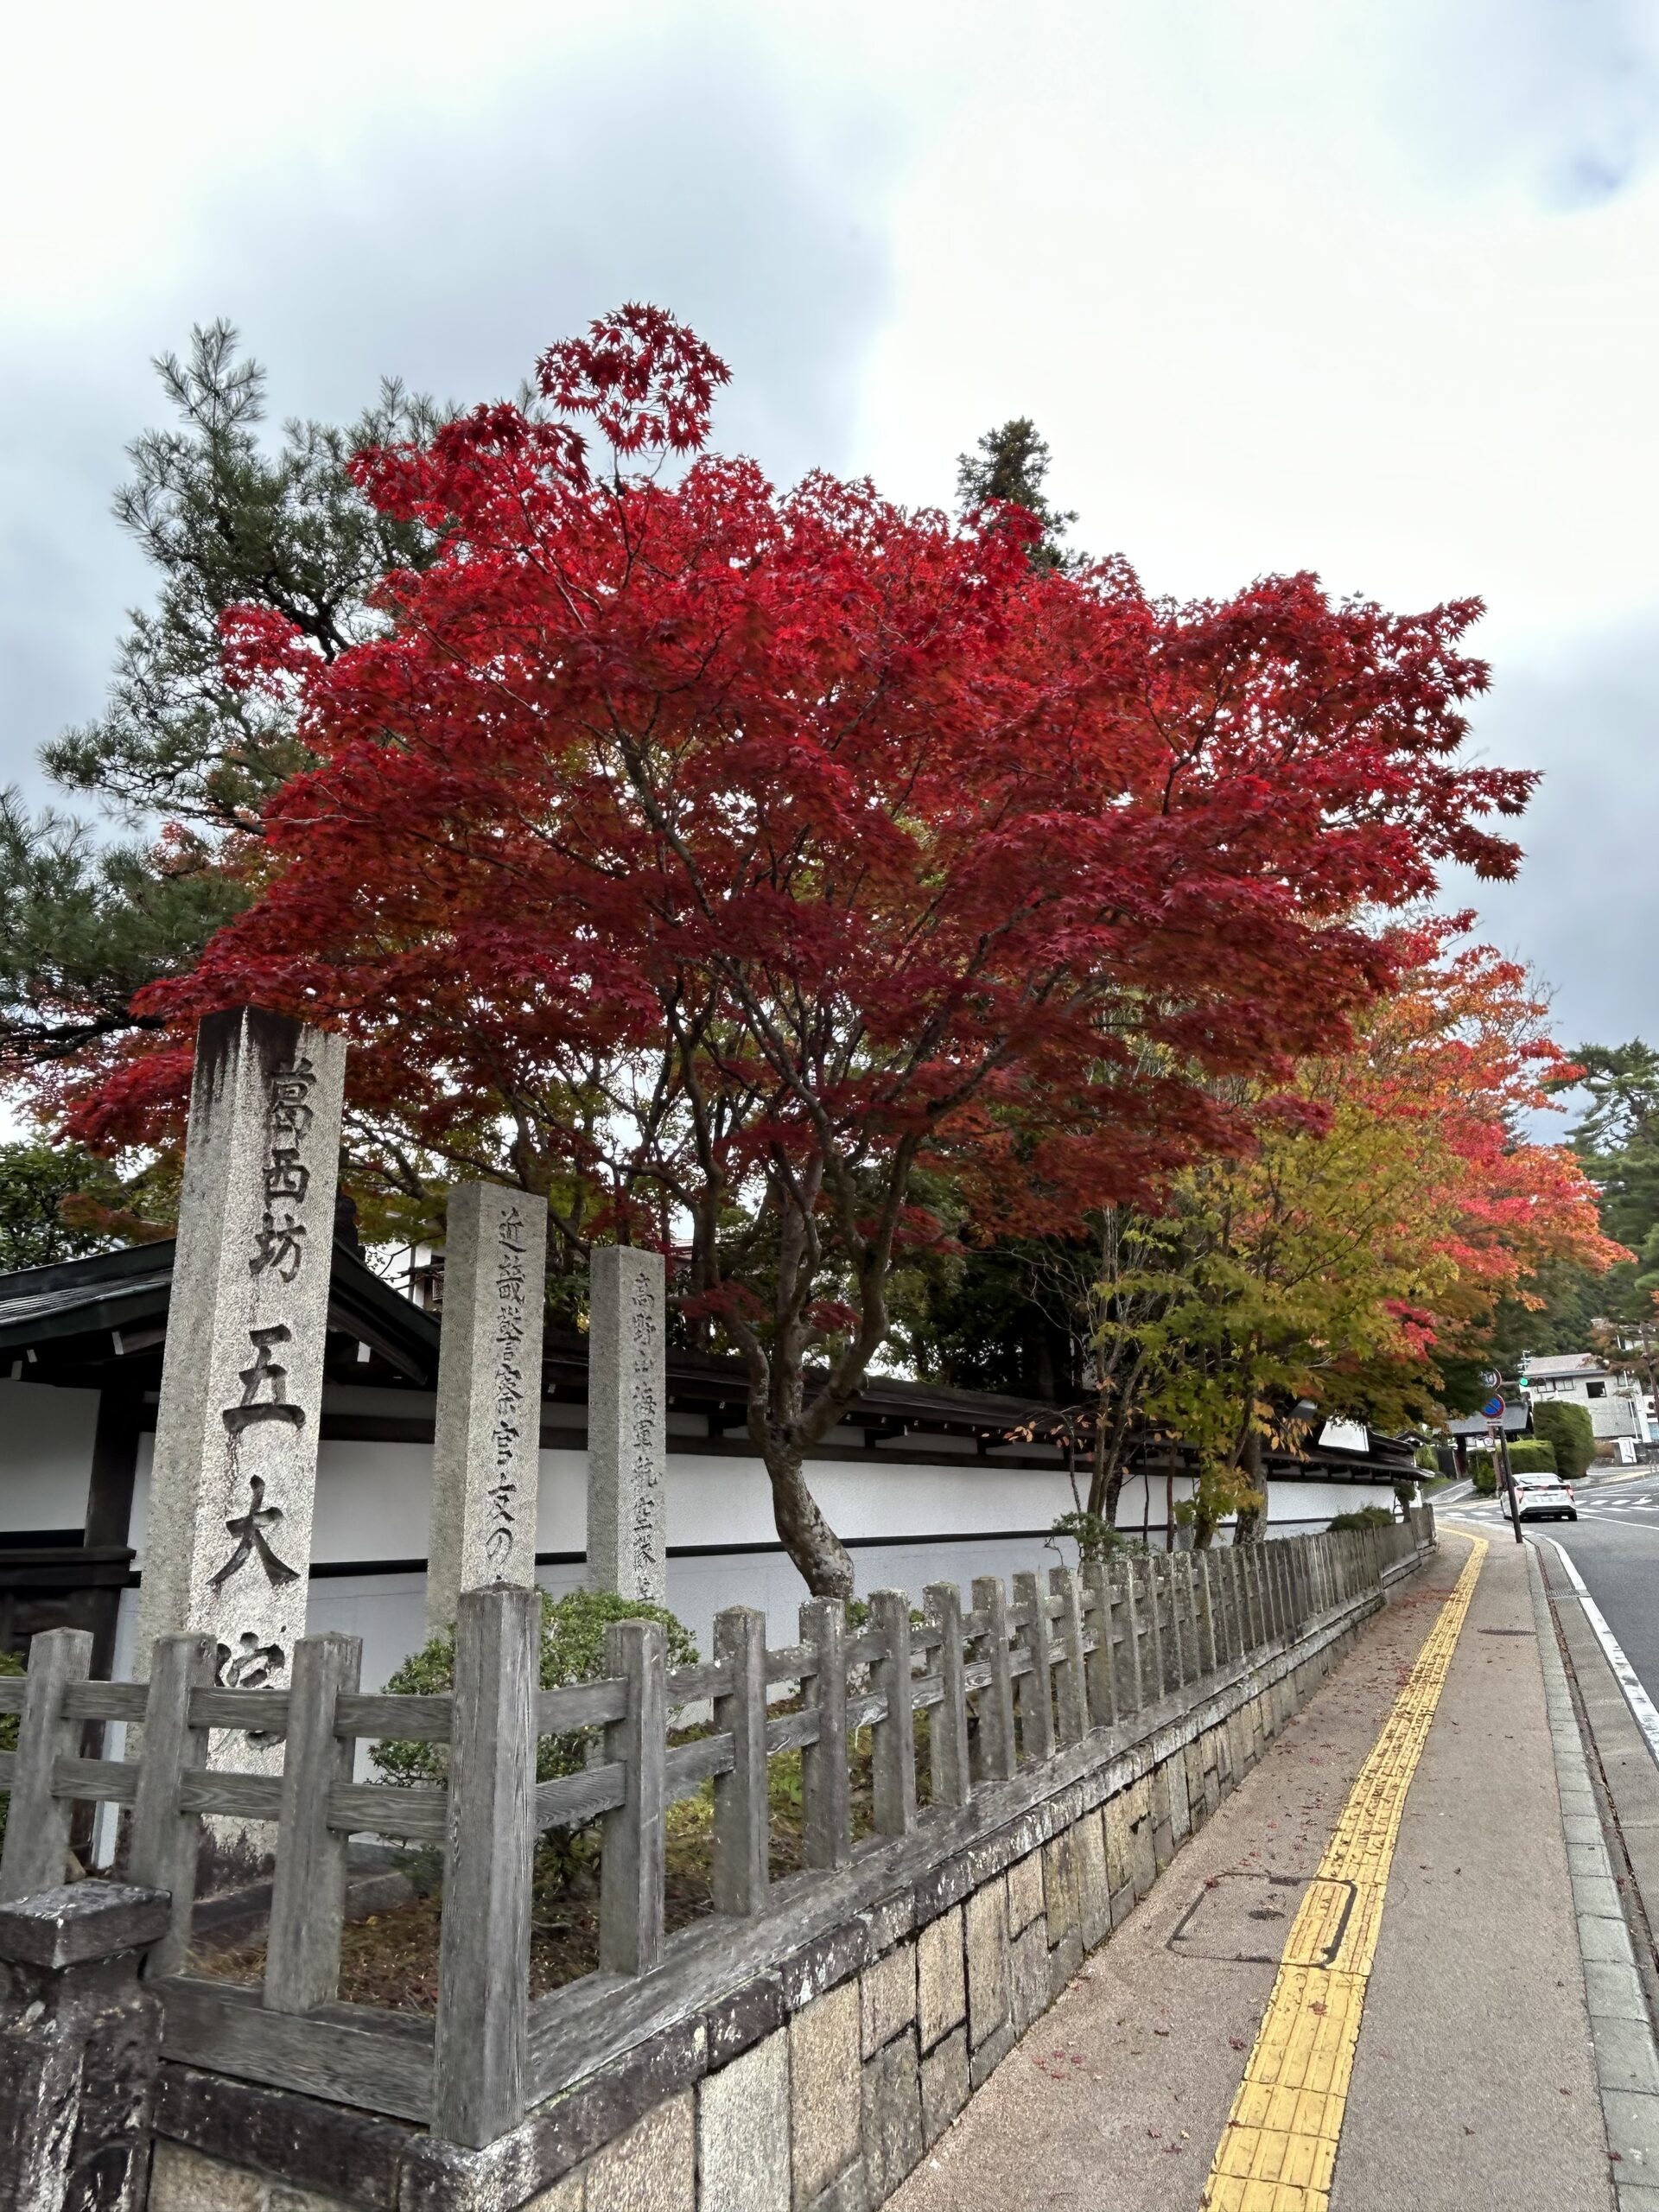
{"x":487,"y":1436}
{"x":227,"y":1543}
{"x":628,"y":1424}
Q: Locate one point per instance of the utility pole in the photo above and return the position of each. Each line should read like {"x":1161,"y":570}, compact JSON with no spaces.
{"x":1509,"y":1482}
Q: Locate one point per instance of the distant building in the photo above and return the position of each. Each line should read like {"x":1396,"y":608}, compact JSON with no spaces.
{"x":1615,"y":1402}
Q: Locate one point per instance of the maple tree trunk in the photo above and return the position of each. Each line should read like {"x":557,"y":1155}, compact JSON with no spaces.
{"x":817,"y":1552}
{"x":1204,"y":1523}
{"x":1105,"y":1475}
{"x":1250,"y":1530}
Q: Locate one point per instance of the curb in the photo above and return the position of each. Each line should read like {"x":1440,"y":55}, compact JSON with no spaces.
{"x":1625,"y":2057}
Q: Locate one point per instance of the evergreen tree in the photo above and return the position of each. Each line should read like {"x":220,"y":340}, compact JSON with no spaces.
{"x":1011,"y":464}
{"x":184,"y":759}
{"x":1616,"y":1139}
{"x":60,"y":1202}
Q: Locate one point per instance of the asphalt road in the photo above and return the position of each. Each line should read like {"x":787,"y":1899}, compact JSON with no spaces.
{"x":1614,"y":1543}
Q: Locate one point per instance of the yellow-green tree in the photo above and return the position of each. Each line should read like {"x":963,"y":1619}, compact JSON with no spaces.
{"x":1389,"y":1203}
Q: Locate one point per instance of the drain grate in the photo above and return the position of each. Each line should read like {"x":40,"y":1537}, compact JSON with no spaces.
{"x":1505,"y":1631}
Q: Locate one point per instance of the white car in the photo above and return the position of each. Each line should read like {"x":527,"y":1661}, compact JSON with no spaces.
{"x":1544,"y":1498}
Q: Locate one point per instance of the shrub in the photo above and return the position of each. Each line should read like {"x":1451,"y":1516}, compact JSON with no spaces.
{"x":1535,"y":1458}
{"x":1096,"y":1539}
{"x":10,"y":1664}
{"x":572,"y":1650}
{"x":1482,"y":1472}
{"x":1568,"y":1428}
{"x":1364,"y":1516}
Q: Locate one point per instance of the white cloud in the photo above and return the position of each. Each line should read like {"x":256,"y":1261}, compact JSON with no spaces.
{"x":1285,"y":282}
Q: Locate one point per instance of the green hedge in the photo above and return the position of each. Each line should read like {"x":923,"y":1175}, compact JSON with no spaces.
{"x":1533,"y":1457}
{"x":1568,"y":1427}
{"x":572,"y":1650}
{"x":1365,"y":1516}
{"x":1482,"y":1472}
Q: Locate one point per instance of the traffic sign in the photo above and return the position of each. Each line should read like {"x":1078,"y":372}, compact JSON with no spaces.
{"x":1493,"y":1409}
{"x":1490,"y":1377}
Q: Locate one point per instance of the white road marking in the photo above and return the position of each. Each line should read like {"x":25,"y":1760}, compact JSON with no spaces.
{"x":1643,"y":1710}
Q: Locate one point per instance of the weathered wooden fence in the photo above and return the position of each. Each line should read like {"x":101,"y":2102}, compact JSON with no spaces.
{"x":1012,"y":1681}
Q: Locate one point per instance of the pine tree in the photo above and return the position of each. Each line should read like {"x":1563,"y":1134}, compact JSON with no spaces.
{"x":180,"y":757}
{"x":1012,"y":464}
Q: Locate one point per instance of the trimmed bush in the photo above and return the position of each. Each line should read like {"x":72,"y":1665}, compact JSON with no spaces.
{"x":572,"y":1650}
{"x":1568,"y":1427}
{"x":1533,"y":1457}
{"x":1482,"y":1472}
{"x":1095,"y":1539}
{"x":1364,"y":1516}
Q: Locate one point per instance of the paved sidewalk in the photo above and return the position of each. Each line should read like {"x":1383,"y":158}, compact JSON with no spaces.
{"x":1473,"y":2085}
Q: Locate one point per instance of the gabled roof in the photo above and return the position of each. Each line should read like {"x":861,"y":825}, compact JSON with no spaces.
{"x":1570,"y":1363}
{"x":103,"y":1320}
{"x":74,"y":1319}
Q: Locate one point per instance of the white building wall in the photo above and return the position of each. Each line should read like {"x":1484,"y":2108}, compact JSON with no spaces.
{"x":906,"y":1525}
{"x":46,"y":1456}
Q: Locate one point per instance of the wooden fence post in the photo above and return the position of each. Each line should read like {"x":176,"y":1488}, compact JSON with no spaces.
{"x":1205,"y":1601}
{"x":479,"y":2061}
{"x":163,"y":1843}
{"x":826,"y":1803}
{"x":308,"y":1897}
{"x":1151,"y":1622}
{"x":631,"y":1864}
{"x":37,"y":1828}
{"x":1071,"y":1688}
{"x":947,"y":1727}
{"x":1216,"y":1574}
{"x":892,"y":1739}
{"x":999,"y":1759}
{"x":1180,"y":1638}
{"x":1126,"y":1653}
{"x":1247,"y":1604}
{"x":1034,"y":1692}
{"x":742,"y":1828}
{"x":1261,"y":1590}
{"x":1097,"y":1666}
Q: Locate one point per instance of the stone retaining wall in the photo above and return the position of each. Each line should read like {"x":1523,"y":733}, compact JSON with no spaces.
{"x":816,"y":2085}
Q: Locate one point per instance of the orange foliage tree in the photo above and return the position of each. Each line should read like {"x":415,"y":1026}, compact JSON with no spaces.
{"x":1361,"y":1246}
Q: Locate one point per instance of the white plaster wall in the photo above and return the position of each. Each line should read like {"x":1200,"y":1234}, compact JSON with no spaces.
{"x":46,"y":1455}
{"x":373,"y":1502}
{"x":389,"y":1611}
{"x":721,"y":1501}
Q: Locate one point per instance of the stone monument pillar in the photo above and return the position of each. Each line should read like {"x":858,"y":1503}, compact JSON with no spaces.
{"x":227,"y":1548}
{"x":627,"y":1420}
{"x":487,"y":1437}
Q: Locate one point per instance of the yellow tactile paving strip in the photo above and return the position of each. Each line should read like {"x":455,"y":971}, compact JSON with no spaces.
{"x":1279,"y":2148}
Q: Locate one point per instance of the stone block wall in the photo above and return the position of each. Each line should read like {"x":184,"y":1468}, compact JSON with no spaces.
{"x":818,"y":2086}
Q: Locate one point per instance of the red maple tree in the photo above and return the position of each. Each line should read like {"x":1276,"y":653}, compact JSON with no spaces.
{"x":727,"y":865}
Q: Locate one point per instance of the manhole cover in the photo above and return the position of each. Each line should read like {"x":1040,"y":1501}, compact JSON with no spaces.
{"x":1244,"y":1919}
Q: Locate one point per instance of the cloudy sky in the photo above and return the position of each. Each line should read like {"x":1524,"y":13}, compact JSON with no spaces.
{"x":1285,"y":284}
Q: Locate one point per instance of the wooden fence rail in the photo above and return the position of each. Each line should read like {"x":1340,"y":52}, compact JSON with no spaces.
{"x":970,"y":1696}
